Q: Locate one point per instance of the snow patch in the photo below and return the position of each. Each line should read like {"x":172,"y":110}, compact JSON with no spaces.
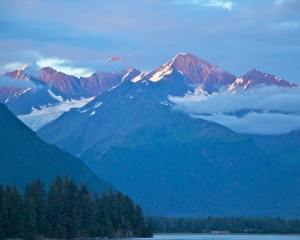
{"x":58,"y":98}
{"x":23,"y":68}
{"x":39,"y":118}
{"x":113,"y":87}
{"x":235,"y":84}
{"x":127,"y":74}
{"x":165,"y":103}
{"x":97,"y":104}
{"x":250,"y":81}
{"x":26,"y":90}
{"x":165,"y":69}
{"x":139,"y":77}
{"x":160,"y":75}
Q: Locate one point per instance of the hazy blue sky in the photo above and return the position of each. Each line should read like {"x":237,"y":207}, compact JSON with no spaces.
{"x":78,"y":36}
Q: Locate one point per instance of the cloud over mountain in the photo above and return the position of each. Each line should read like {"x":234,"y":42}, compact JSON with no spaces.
{"x":6,"y":81}
{"x":267,"y":110}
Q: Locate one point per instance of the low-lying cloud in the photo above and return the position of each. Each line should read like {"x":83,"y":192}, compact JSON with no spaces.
{"x":6,"y":81}
{"x":257,"y":123}
{"x":279,"y":105}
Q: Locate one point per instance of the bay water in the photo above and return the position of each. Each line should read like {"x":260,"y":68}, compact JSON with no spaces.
{"x":224,"y":237}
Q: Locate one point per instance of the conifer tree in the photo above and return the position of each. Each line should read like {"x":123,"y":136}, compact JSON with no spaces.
{"x":149,"y":231}
{"x":2,"y":229}
{"x":73,"y":208}
{"x":16,"y":212}
{"x":139,"y":222}
{"x":35,"y":209}
{"x":68,"y":212}
{"x":56,"y":209}
{"x":5,"y":212}
{"x":129,"y":211}
{"x":87,"y":209}
{"x":103,"y":215}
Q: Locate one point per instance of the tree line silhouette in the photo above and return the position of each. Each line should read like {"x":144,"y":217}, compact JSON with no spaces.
{"x":68,"y":211}
{"x":232,"y":224}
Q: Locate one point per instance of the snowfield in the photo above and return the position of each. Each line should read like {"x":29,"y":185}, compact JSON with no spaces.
{"x":39,"y":118}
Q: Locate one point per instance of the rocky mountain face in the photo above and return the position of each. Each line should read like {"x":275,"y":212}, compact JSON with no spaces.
{"x":21,"y":92}
{"x":75,"y":88}
{"x":47,"y":87}
{"x":24,"y":157}
{"x":196,"y":72}
{"x":255,"y":78}
{"x":170,"y":162}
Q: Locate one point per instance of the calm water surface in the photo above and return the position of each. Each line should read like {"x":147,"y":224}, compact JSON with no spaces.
{"x":223,"y":237}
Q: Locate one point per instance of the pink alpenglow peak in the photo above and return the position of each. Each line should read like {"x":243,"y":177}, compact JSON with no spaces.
{"x":255,"y":78}
{"x":193,"y":70}
{"x":116,"y":59}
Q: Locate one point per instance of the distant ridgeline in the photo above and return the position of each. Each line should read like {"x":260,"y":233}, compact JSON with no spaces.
{"x":226,"y":225}
{"x":68,"y":211}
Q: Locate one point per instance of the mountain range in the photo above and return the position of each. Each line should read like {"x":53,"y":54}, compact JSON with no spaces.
{"x":133,"y":136}
{"x":38,"y":97}
{"x":46,"y":86}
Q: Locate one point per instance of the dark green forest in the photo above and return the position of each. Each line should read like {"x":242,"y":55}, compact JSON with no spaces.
{"x":68,"y":211}
{"x":266,"y":225}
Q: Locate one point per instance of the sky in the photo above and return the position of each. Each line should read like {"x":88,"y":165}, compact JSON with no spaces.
{"x":77,"y":37}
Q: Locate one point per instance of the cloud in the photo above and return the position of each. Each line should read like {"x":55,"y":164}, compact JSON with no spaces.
{"x":279,"y":106}
{"x":208,"y":3}
{"x":13,"y":66}
{"x":268,"y":97}
{"x":6,"y":81}
{"x":64,"y":66}
{"x":216,"y":3}
{"x":257,"y":123}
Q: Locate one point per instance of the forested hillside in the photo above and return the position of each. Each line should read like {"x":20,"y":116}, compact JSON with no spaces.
{"x":68,"y":211}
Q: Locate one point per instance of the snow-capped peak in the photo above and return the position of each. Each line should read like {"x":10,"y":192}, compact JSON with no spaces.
{"x":23,"y":68}
{"x":162,"y":71}
{"x":116,"y":59}
{"x":257,"y":78}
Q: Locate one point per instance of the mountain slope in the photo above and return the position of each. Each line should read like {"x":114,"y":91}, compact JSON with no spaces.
{"x":195,"y":71}
{"x":27,"y":88}
{"x":170,"y":162}
{"x":255,"y":78}
{"x":24,"y":156}
{"x":286,"y":146}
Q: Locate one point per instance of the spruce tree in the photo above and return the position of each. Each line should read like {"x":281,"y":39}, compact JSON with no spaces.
{"x":149,"y":231}
{"x":6,"y":211}
{"x":103,"y":216}
{"x":16,"y":212}
{"x":56,"y":210}
{"x":73,"y":208}
{"x":129,"y":212}
{"x":35,"y":209}
{"x":139,"y":223}
{"x":87,"y":209}
{"x":2,"y":229}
